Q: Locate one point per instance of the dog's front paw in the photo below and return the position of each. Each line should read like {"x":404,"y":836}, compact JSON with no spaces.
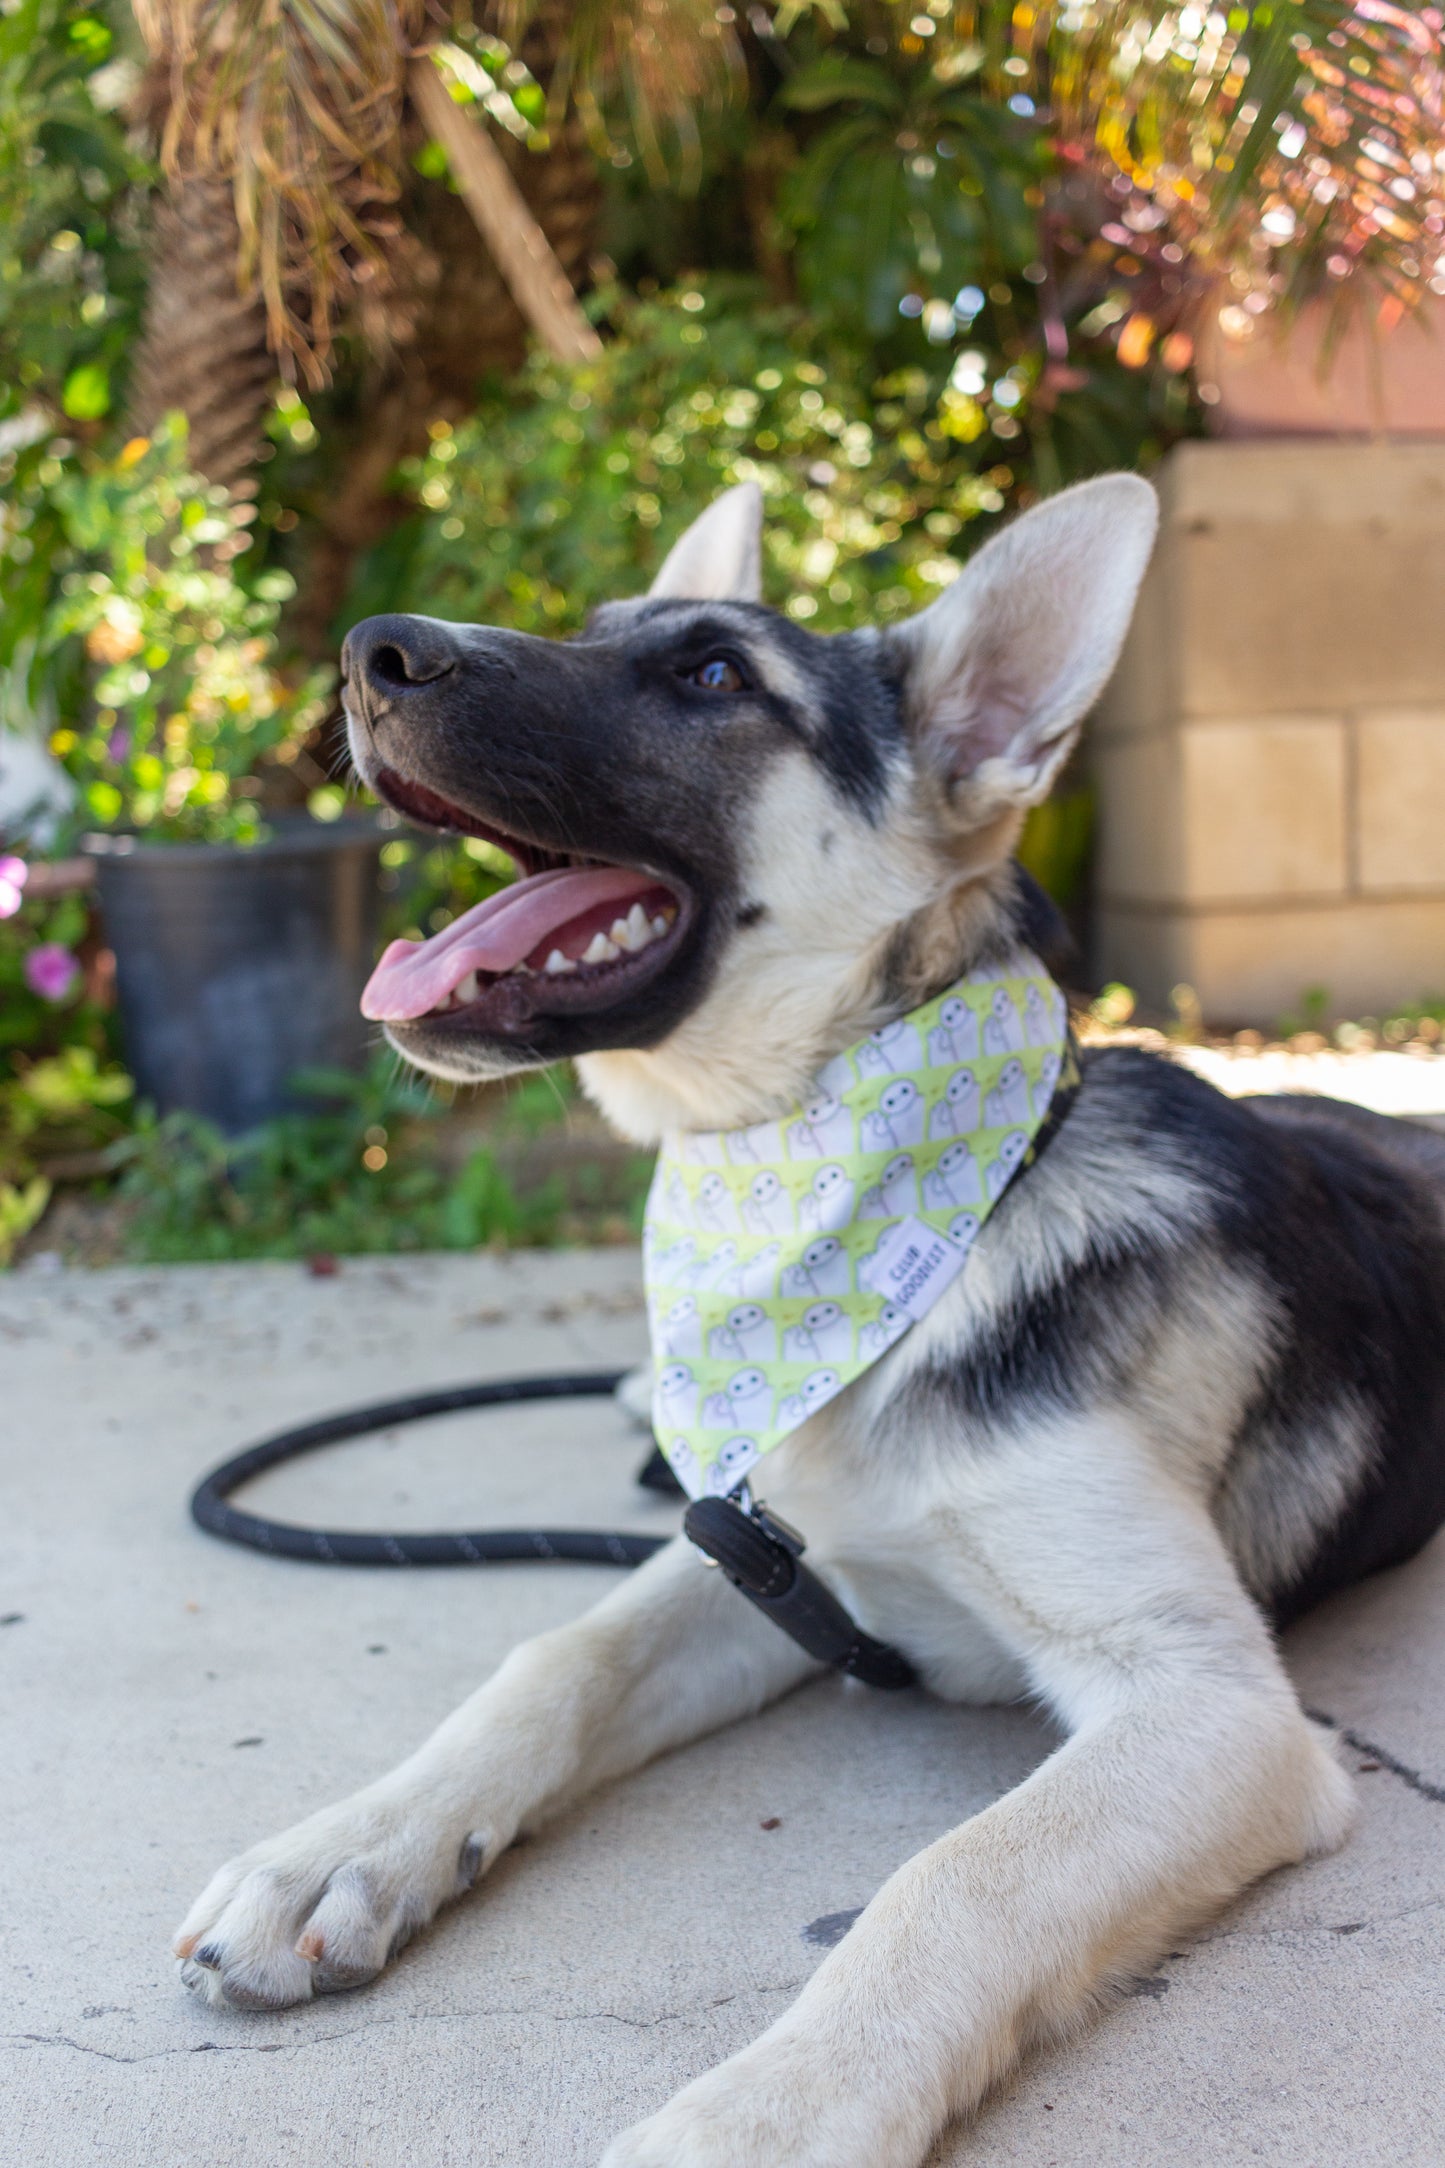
{"x":323,"y":1907}
{"x":773,"y":2107}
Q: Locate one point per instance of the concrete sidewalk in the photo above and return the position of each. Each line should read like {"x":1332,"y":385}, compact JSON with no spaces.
{"x":170,"y":1699}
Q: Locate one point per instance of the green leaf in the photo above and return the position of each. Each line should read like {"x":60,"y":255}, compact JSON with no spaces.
{"x":834,"y":80}
{"x":86,"y":396}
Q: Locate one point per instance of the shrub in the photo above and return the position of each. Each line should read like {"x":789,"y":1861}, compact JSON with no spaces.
{"x":566,"y":487}
{"x":128,"y":621}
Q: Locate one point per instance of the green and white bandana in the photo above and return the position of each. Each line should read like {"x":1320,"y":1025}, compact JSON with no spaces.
{"x":783,"y":1259}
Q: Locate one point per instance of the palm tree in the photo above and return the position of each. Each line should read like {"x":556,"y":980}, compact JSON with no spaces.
{"x":286,"y":133}
{"x":1279,"y":147}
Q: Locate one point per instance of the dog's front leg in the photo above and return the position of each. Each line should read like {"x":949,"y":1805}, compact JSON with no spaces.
{"x":671,"y":1654}
{"x":1190,"y":1772}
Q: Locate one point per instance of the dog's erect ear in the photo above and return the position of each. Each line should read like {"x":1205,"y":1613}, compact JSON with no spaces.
{"x":1002,"y":669}
{"x":720,"y":558}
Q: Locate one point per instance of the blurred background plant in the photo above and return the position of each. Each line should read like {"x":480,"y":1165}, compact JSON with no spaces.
{"x":909,"y":262}
{"x":369,"y":1169}
{"x":150,"y":640}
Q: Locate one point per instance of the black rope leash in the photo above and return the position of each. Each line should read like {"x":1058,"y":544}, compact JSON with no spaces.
{"x":471,"y":1547}
{"x":758,"y":1553}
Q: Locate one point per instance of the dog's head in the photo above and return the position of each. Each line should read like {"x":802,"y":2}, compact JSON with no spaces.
{"x":742,"y":845}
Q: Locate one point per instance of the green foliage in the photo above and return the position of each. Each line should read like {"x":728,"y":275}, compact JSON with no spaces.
{"x":427,"y":885}
{"x":71,"y":263}
{"x":914,"y":177}
{"x":28,"y":1021}
{"x":127,"y":616}
{"x":60,"y":1092}
{"x":360,"y":1174}
{"x":21,"y":1206}
{"x":1056,"y":844}
{"x":566,"y":487}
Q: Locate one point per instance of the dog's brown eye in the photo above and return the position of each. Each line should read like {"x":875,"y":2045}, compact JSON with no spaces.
{"x":718,"y":675}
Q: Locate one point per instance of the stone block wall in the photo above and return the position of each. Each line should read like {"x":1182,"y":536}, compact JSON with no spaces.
{"x":1270,"y":757}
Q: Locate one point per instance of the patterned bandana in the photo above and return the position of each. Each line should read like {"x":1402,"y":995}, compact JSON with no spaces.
{"x":782,"y":1260}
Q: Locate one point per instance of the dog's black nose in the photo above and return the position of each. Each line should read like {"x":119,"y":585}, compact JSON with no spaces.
{"x":396,"y":654}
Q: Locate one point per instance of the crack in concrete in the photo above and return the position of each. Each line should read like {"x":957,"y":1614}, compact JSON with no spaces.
{"x":1308,"y":1930}
{"x":406,"y":2017}
{"x":1412,"y":1777}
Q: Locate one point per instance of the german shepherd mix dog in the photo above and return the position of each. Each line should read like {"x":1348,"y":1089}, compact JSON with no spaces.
{"x":1192,"y":1380}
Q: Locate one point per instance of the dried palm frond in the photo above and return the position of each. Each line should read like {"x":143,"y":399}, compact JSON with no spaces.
{"x":1284,"y":146}
{"x":297,"y":104}
{"x":660,"y":61}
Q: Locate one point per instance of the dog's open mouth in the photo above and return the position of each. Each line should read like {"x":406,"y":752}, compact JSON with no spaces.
{"x":572,"y":934}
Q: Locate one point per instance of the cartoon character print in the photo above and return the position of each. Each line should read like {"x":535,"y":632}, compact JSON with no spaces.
{"x":955,"y":1180}
{"x":895,"y":1194}
{"x":1002,"y":1170}
{"x":747,"y":1397}
{"x":675,"y":1398}
{"x":1049,"y":1067}
{"x":893,"y":1049}
{"x":679,"y":1209}
{"x":767,"y":1206}
{"x":1008,"y":1102}
{"x":955,"y":1036}
{"x":1003,"y":1030}
{"x":715,"y":1210}
{"x":880,"y":1332}
{"x":823,"y":1334}
{"x":815,"y":1392}
{"x":821,"y":1270}
{"x":735,"y":1457}
{"x":963,"y":1229}
{"x":756,"y":1276}
{"x":898,"y":1120}
{"x":672,"y":1259}
{"x":757,"y":1146}
{"x":703,"y":1148}
{"x":836,"y":1076}
{"x":824,"y":1127}
{"x":1040,"y":1026}
{"x":682,"y":1329}
{"x":750,"y":1397}
{"x":828,"y":1205}
{"x":747,"y":1335}
{"x":684,"y":1464}
{"x":957,"y":1112}
{"x":705,"y":1272}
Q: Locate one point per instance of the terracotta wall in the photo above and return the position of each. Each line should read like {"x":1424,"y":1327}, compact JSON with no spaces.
{"x":1270,"y":757}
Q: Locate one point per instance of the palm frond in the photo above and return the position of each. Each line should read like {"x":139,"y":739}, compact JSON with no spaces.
{"x":1287,"y":145}
{"x":646,"y":67}
{"x":297,"y":103}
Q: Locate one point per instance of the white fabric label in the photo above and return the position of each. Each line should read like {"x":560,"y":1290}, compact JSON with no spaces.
{"x":913,"y":1264}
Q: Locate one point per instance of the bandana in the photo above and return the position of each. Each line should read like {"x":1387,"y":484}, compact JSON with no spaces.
{"x":782,"y":1260}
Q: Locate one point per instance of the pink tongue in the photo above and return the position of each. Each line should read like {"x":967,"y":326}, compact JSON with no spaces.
{"x":416,"y":976}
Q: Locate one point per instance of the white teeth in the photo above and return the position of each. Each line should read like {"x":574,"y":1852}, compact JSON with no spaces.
{"x":600,"y":950}
{"x":467,"y":991}
{"x":659,"y":926}
{"x":638,"y":927}
{"x":621,"y":931}
{"x":557,"y":963}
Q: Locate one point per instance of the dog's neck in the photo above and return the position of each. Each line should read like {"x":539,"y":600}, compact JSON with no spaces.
{"x":703,"y":1077}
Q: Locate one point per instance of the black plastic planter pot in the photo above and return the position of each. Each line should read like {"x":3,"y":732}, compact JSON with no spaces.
{"x":235,"y":968}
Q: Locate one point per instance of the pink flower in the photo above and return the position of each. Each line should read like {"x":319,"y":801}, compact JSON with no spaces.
{"x":14,"y":873}
{"x":51,"y":971}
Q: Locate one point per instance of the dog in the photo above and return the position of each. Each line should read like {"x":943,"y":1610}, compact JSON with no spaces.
{"x":1191,"y":1381}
